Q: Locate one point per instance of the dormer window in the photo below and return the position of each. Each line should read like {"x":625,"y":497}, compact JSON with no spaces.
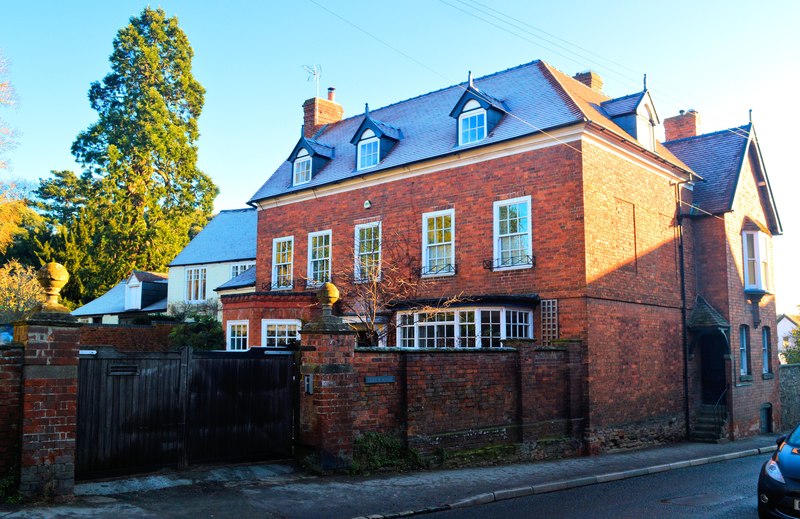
{"x":471,"y":123}
{"x":302,"y":168}
{"x":368,"y":150}
{"x":373,"y":140}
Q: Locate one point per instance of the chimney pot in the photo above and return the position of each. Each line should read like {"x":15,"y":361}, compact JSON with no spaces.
{"x":331,"y":94}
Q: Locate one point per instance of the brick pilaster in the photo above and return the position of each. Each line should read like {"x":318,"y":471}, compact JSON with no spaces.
{"x":327,"y":414}
{"x":49,"y":403}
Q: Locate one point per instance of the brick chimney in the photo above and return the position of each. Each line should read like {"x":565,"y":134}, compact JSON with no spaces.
{"x":686,"y":124}
{"x":590,"y":79}
{"x":318,"y":112}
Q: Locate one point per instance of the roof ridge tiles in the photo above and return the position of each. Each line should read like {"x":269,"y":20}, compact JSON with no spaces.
{"x":626,"y":96}
{"x":745,"y":127}
{"x":373,"y":110}
{"x":237,"y":210}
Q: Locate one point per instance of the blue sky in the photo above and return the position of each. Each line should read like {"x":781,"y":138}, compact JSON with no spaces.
{"x":721,"y":58}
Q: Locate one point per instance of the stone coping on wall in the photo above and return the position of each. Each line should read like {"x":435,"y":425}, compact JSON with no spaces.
{"x":140,"y":326}
{"x":396,"y":349}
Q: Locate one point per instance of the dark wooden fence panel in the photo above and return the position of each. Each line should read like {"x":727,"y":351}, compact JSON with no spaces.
{"x":240,"y":406}
{"x":142,"y":411}
{"x":129,"y":413}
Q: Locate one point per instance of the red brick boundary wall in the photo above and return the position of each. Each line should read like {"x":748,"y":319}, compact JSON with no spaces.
{"x":153,"y":337}
{"x":464,"y":399}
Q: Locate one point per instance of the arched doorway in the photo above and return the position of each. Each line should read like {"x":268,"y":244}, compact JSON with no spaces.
{"x":713,"y":380}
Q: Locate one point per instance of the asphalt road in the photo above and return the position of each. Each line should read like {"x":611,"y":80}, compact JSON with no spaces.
{"x":719,"y":490}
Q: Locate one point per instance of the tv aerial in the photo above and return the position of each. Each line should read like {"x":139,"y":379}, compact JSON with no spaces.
{"x":314,"y":74}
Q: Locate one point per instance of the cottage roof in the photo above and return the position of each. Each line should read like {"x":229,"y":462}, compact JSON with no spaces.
{"x":538,"y":98}
{"x":113,"y":302}
{"x":229,"y":236}
{"x":148,"y":277}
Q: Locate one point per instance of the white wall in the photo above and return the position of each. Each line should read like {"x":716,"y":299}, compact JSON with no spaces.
{"x":216,"y":274}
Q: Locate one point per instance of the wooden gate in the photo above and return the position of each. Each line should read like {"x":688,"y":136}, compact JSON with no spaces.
{"x":143,"y":411}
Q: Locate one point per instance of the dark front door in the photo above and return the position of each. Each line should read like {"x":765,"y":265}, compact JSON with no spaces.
{"x":712,"y":360}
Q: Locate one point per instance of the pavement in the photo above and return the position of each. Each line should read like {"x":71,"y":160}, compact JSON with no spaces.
{"x":282,"y":490}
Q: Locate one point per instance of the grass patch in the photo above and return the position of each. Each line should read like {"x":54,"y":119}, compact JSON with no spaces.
{"x":376,"y":451}
{"x":9,"y":494}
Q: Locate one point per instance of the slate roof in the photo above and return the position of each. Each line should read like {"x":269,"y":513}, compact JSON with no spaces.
{"x":113,"y":302}
{"x":706,"y":316}
{"x":718,"y":158}
{"x":229,"y":236}
{"x":622,"y":105}
{"x":537,"y":96}
{"x":243,"y":280}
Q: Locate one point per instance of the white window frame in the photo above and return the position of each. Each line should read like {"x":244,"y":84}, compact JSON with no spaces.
{"x":265,"y":323}
{"x":368,"y":138}
{"x":744,"y":350}
{"x":409,"y":325}
{"x":427,"y":246}
{"x":230,"y":338}
{"x":766,"y":350}
{"x":240,"y":268}
{"x":302,"y":166}
{"x":359,"y":276}
{"x":759,"y":259}
{"x":195,"y":293}
{"x":311,"y":281}
{"x":497,"y":251}
{"x":275,"y":265}
{"x":472,"y":109}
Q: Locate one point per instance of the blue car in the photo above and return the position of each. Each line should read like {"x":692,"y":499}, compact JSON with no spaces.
{"x":779,"y":480}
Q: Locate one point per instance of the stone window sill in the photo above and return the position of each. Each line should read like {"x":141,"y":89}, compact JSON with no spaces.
{"x":745,"y":378}
{"x":768,"y":376}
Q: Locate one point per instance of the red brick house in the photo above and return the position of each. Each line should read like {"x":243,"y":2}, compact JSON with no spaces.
{"x":596,"y":282}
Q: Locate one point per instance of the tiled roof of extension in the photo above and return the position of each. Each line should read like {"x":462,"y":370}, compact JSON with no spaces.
{"x":243,"y":280}
{"x":229,"y":236}
{"x":706,"y":316}
{"x":718,"y":158}
{"x":537,"y":97}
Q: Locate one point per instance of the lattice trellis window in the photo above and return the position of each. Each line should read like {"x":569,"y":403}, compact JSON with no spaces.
{"x":549,"y":320}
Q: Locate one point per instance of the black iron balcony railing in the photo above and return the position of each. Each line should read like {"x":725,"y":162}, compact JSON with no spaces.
{"x":511,"y":261}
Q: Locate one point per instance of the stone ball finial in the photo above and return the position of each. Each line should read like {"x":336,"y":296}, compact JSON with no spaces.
{"x":328,"y":294}
{"x":53,"y":276}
